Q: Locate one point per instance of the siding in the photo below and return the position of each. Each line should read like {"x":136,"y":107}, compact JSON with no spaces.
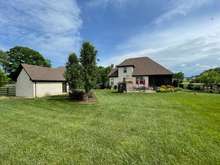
{"x":122,"y":75}
{"x":24,"y":86}
{"x":114,"y":81}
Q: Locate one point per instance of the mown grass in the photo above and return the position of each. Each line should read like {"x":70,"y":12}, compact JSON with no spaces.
{"x":138,"y":128}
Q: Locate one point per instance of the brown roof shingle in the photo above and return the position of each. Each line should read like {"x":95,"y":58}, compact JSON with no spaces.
{"x":144,"y":66}
{"x":39,"y":73}
{"x":113,"y":73}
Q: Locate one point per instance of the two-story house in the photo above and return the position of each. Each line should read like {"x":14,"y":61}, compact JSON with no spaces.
{"x":140,"y":72}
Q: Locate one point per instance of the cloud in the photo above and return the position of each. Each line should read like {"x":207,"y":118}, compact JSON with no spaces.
{"x":49,"y":26}
{"x":105,"y":3}
{"x":178,"y":48}
{"x":181,"y":7}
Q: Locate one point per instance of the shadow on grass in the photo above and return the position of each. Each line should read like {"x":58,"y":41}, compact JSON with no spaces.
{"x":67,"y":99}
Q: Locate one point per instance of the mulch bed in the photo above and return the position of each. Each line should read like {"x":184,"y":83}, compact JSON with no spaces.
{"x":89,"y":101}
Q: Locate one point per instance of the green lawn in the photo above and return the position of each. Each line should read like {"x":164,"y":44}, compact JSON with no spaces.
{"x":138,"y":128}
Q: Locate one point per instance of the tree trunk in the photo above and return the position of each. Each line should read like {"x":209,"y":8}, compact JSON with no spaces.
{"x":85,"y":97}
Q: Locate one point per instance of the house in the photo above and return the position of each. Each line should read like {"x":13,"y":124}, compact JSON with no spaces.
{"x":141,"y":72}
{"x":36,"y":81}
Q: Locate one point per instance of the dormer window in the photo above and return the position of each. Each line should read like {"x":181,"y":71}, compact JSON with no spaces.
{"x":125,"y":70}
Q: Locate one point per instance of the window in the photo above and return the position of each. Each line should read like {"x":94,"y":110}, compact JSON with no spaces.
{"x":64,"y":85}
{"x":140,"y":80}
{"x":125,"y":70}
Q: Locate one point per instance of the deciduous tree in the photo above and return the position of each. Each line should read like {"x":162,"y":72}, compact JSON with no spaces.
{"x":3,"y":78}
{"x":19,"y":55}
{"x":178,"y":78}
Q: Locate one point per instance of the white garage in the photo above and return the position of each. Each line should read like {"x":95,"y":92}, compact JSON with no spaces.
{"x":36,"y":81}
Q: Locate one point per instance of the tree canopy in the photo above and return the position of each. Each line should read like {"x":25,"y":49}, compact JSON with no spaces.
{"x":178,"y":78}
{"x":209,"y":77}
{"x":3,"y":78}
{"x":88,"y":61}
{"x":19,"y":55}
{"x":2,"y":57}
{"x":102,"y":76}
{"x":73,"y":72}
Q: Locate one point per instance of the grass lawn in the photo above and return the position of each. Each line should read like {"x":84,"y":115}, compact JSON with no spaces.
{"x":138,"y":128}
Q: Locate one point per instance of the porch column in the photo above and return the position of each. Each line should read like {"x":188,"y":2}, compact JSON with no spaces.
{"x":146,"y":79}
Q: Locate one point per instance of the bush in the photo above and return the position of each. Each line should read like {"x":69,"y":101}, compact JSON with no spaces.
{"x":91,"y":94}
{"x":80,"y":95}
{"x":77,"y":95}
{"x":166,"y":88}
{"x":195,"y":86}
{"x":121,"y":87}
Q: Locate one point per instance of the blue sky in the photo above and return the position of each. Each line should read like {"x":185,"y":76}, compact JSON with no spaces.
{"x":183,"y":35}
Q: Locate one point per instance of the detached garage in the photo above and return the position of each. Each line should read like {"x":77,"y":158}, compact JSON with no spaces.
{"x":36,"y":81}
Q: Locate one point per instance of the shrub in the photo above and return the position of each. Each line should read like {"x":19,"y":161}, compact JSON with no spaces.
{"x":77,"y":95}
{"x":121,"y":87}
{"x":195,"y":86}
{"x":166,"y":88}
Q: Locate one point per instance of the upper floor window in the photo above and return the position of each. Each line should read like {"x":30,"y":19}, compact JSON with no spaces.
{"x":125,"y":70}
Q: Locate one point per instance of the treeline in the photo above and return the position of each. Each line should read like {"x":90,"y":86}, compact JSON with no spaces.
{"x":10,"y":61}
{"x":207,"y":81}
{"x":209,"y":77}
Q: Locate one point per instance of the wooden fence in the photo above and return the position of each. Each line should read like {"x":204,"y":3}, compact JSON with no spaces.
{"x":8,"y":90}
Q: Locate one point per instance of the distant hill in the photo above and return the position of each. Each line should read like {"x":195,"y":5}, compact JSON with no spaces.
{"x":214,"y":69}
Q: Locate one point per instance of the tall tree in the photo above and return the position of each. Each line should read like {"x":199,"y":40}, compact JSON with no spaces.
{"x":73,"y":72}
{"x":19,"y":55}
{"x":88,"y":61}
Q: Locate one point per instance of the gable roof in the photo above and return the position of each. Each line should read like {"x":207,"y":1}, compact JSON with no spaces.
{"x":113,"y":73}
{"x":144,"y":66}
{"x":39,"y":73}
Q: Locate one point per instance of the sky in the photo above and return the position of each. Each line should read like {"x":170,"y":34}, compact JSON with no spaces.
{"x":182,"y":35}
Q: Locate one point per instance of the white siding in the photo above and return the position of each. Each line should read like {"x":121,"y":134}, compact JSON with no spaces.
{"x":48,"y":88}
{"x":114,"y":81}
{"x":24,"y":86}
{"x":122,"y":75}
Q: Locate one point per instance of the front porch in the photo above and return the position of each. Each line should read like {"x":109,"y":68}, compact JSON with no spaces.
{"x":137,"y":83}
{"x":146,"y":83}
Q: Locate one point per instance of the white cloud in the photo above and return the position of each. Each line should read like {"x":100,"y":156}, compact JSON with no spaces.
{"x":105,"y":3}
{"x":193,"y":42}
{"x":181,"y":7}
{"x":49,"y":26}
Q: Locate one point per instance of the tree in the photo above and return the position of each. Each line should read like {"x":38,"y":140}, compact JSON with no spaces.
{"x":178,"y":78}
{"x":88,"y":61}
{"x":102,"y":76}
{"x":19,"y":55}
{"x":73,"y":72}
{"x":2,"y":57}
{"x":3,"y":78}
{"x":209,"y":77}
